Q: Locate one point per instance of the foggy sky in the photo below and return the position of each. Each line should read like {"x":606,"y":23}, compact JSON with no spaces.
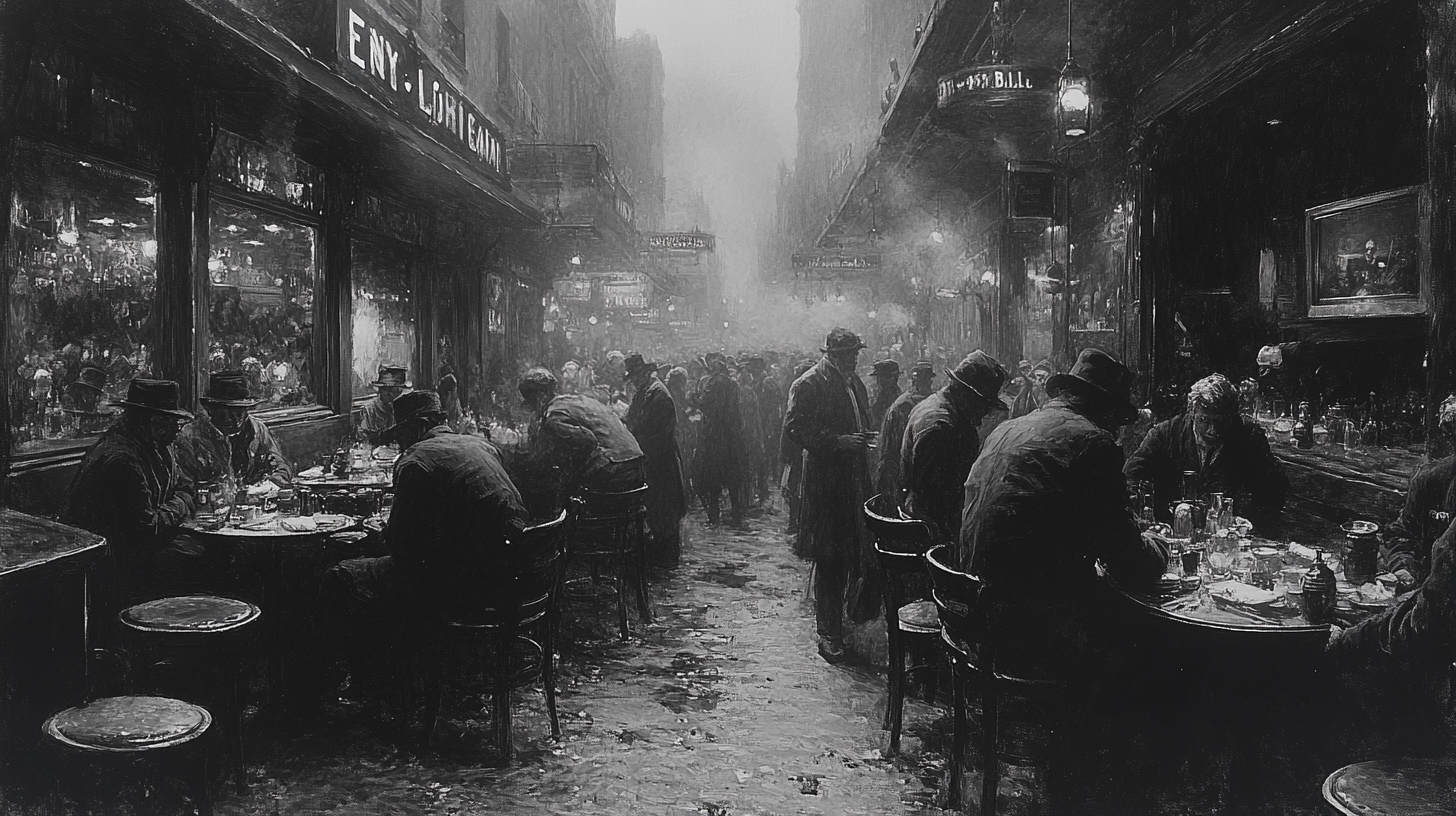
{"x":731,"y":79}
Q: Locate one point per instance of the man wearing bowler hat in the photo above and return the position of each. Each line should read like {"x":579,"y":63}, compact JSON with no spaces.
{"x":378,"y":413}
{"x":652,"y":419}
{"x":228,"y":442}
{"x":128,"y":488}
{"x":451,"y":533}
{"x":942,"y":440}
{"x":828,"y":417}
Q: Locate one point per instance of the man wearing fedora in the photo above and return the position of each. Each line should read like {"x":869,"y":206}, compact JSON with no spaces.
{"x":888,"y":477}
{"x":652,"y":419}
{"x":378,"y":413}
{"x":128,"y":488}
{"x":228,"y":442}
{"x":828,"y":417}
{"x":942,"y":440}
{"x":452,"y":531}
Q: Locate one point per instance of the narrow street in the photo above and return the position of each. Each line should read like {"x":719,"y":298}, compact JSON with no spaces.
{"x":722,"y":706}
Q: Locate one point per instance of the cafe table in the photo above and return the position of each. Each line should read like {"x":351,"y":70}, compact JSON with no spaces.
{"x":46,"y":583}
{"x":274,"y":532}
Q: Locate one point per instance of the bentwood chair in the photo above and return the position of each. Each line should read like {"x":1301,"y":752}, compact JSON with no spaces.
{"x":911,"y":622}
{"x":969,"y":634}
{"x":512,"y":635}
{"x":611,"y":530}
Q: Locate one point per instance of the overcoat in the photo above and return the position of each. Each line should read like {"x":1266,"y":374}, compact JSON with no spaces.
{"x":719,"y":458}
{"x":652,"y":419}
{"x":825,"y":403}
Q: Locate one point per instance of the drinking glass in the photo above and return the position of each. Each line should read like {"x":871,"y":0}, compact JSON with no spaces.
{"x":1220,"y":554}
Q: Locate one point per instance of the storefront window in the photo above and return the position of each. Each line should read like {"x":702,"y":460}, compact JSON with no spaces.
{"x":260,"y":304}
{"x":384,"y":315}
{"x":82,"y":277}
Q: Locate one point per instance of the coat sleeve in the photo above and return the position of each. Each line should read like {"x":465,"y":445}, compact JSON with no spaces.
{"x":568,"y":434}
{"x":270,"y":463}
{"x":1134,"y":561}
{"x":132,"y":499}
{"x":802,"y":422}
{"x":411,"y":520}
{"x":1417,"y":631}
{"x":1402,"y":536}
{"x":1151,"y":462}
{"x":932,"y":478}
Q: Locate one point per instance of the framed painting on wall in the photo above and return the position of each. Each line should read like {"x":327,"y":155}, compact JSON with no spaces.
{"x":1365,"y":256}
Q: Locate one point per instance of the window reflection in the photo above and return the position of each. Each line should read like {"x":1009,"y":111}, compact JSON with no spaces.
{"x":82,"y":277}
{"x":384,"y":314}
{"x":260,"y":314}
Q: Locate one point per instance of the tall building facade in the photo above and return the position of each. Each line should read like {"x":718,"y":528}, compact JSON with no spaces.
{"x":637,"y":126}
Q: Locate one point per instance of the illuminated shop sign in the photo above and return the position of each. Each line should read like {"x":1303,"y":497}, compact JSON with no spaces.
{"x":994,"y":83}
{"x":806,"y":260}
{"x":381,"y":59}
{"x":680,"y":240}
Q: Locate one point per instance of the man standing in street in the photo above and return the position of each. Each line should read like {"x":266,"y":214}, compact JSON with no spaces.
{"x":828,"y":416}
{"x":718,"y":464}
{"x":771,"y":413}
{"x":378,"y":413}
{"x":888,"y":480}
{"x":753,"y":439}
{"x":652,"y":419}
{"x":942,"y":440}
{"x":887,"y":390}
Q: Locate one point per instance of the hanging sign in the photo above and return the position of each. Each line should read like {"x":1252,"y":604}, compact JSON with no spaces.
{"x":812,"y":260}
{"x":381,"y":59}
{"x":572,"y":288}
{"x":680,"y":240}
{"x":994,"y":84}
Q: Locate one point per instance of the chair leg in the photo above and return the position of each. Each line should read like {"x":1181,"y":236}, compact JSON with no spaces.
{"x":990,"y":761}
{"x":894,"y":707}
{"x":200,"y":792}
{"x":644,"y":608}
{"x":621,"y":581}
{"x":548,"y":675}
{"x":957,"y":757}
{"x":931,"y":671}
{"x":503,"y":720}
{"x":434,"y":691}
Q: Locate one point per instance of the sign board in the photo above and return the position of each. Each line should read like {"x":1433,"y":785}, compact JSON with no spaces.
{"x":680,"y":240}
{"x":1031,"y":192}
{"x":382,"y":60}
{"x":629,"y":293}
{"x":994,"y":84}
{"x":572,"y":288}
{"x":810,"y":260}
{"x":646,"y":317}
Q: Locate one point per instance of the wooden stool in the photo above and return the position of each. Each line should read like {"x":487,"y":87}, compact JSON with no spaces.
{"x":137,"y":731}
{"x":1393,"y":787}
{"x":201,"y":631}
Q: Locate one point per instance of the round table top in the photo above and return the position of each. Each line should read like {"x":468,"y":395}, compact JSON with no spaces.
{"x":1394,"y":787}
{"x":279,"y":526}
{"x":379,"y":477}
{"x":126,"y":724}
{"x":190,"y":613}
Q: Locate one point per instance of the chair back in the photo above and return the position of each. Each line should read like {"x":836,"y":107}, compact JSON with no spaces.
{"x":619,"y":506}
{"x":524,"y":595}
{"x":958,"y":599}
{"x":900,"y":544}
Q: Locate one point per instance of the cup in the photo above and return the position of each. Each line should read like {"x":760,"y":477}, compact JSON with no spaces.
{"x":1290,"y":581}
{"x":1192,"y":557}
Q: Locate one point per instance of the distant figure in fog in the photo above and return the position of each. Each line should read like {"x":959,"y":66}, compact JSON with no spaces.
{"x":719,"y":464}
{"x":771,"y":419}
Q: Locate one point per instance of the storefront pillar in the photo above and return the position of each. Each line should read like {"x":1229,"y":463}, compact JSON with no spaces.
{"x":183,"y":243}
{"x":333,"y":312}
{"x":1440,"y":63}
{"x":17,"y":34}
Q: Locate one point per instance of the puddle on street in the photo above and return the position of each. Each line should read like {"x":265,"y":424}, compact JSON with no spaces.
{"x":728,"y":574}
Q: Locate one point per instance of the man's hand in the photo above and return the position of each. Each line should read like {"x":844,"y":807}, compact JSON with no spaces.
{"x":850,"y":442}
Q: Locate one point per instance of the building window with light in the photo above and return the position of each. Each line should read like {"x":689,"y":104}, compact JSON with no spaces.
{"x":383,"y":312}
{"x":262,"y":275}
{"x":83,"y":295}
{"x":452,"y":29}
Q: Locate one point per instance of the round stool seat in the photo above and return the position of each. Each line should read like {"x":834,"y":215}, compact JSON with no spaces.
{"x":920,"y":617}
{"x":128,"y":724}
{"x":1393,"y":787}
{"x":190,"y":613}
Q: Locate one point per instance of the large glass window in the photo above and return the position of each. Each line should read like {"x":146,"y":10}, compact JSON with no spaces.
{"x":260,"y":302}
{"x":384,"y":314}
{"x":82,"y":277}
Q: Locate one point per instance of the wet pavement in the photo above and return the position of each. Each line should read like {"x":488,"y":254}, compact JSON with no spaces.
{"x":721,"y":706}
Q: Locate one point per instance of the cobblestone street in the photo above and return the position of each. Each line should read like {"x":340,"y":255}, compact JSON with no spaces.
{"x":721,"y":706}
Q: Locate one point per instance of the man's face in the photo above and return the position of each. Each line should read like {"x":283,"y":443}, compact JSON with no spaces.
{"x":165,"y":428}
{"x":388,"y":393}
{"x":1039,"y":376}
{"x":227,"y":419}
{"x":1208,"y":426}
{"x":887,"y":381}
{"x":922,"y":381}
{"x":845,"y":360}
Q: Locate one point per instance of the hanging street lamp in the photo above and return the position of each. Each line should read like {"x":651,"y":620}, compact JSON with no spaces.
{"x":1074,"y":93}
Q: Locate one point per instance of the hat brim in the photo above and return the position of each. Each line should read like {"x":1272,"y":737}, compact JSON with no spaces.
{"x":994,"y":402}
{"x":225,"y":403}
{"x":846,"y":348}
{"x":381,"y":383}
{"x":644,"y":367}
{"x":175,"y":412}
{"x":436,"y":416}
{"x":1058,"y":384}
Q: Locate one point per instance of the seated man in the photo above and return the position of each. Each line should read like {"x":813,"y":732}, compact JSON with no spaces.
{"x":455,"y":516}
{"x":594,"y":450}
{"x":378,"y":413}
{"x":1425,"y":516}
{"x":228,"y":444}
{"x":128,"y":489}
{"x":1228,"y":452}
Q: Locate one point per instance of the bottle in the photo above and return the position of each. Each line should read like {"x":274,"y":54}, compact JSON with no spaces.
{"x":1370,"y":434}
{"x":53,"y":417}
{"x":1190,"y":485}
{"x":1226,"y":516}
{"x":1303,"y":428}
{"x":341,"y":462}
{"x":1317,"y":591}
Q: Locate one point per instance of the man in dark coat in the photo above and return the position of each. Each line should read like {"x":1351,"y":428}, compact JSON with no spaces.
{"x":771,"y":413}
{"x":1044,"y":501}
{"x":652,"y":419}
{"x":828,"y":416}
{"x":1228,"y":452}
{"x":378,"y":413}
{"x":753,"y":438}
{"x":582,"y":436}
{"x":792,"y":458}
{"x":229,"y":444}
{"x":941,"y":442}
{"x":718,"y":464}
{"x":888,"y":479}
{"x":1425,"y":515}
{"x":886,"y":374}
{"x":451,"y":533}
{"x":128,"y":488}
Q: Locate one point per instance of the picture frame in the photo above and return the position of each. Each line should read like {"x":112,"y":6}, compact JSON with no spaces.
{"x":1366,"y":256}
